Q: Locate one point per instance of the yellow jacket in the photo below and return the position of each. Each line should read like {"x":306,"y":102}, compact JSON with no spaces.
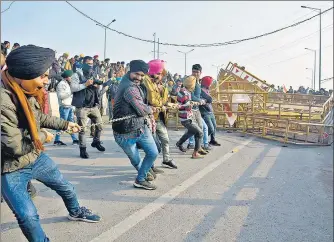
{"x":154,"y":97}
{"x":68,"y":66}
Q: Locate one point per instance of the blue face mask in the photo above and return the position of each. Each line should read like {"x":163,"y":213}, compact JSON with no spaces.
{"x":118,"y":79}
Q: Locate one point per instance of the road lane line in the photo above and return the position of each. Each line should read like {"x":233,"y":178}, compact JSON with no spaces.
{"x":267,"y":163}
{"x":119,"y":229}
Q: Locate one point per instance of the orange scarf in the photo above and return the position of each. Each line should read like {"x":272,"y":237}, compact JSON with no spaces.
{"x":13,"y":86}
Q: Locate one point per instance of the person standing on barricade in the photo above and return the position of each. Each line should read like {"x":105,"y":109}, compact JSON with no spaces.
{"x":157,"y":96}
{"x":22,"y":156}
{"x":188,"y":119}
{"x":133,"y":129}
{"x":84,"y":87}
{"x":207,"y":110}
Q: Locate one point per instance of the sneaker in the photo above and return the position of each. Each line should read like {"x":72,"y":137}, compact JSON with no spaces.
{"x":214,"y":143}
{"x":157,"y":170}
{"x":190,"y":146}
{"x":59,"y":143}
{"x":181,"y":148}
{"x":75,"y":142}
{"x":144,"y":184}
{"x":203,"y":152}
{"x":170,"y":164}
{"x":207,"y":147}
{"x":197,"y":156}
{"x":85,"y":215}
{"x":97,"y":145}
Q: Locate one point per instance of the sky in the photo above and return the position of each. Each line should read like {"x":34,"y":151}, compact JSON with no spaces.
{"x":279,"y":59}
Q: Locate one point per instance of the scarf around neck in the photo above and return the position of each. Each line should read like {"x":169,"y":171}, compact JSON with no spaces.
{"x":21,"y":95}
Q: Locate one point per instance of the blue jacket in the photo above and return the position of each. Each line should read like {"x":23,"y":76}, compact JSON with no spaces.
{"x":196,"y":95}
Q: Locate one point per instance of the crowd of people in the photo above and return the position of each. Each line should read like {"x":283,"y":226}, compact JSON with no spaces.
{"x":138,"y":99}
{"x":303,"y":90}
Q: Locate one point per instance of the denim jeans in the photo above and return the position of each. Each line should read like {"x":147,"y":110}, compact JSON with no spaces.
{"x":205,"y":134}
{"x":14,"y":191}
{"x":110,"y":108}
{"x":210,"y":120}
{"x":67,"y":114}
{"x":95,"y":116}
{"x":162,"y":134}
{"x":192,"y":130}
{"x":147,"y":143}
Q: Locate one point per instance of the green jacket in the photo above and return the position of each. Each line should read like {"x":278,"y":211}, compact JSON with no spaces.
{"x":17,"y":149}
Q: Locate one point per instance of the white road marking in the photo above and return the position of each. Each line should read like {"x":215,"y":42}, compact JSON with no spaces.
{"x":267,"y":163}
{"x":119,"y":229}
{"x":247,"y":193}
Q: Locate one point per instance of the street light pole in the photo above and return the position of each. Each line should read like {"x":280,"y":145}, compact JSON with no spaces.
{"x":312,"y":81}
{"x":314,"y":65}
{"x":185,"y":60}
{"x":154,"y":46}
{"x":217,"y":66}
{"x":318,"y":9}
{"x":105,"y":36}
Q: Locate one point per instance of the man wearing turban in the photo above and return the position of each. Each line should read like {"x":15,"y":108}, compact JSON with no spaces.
{"x":133,"y":131}
{"x":157,"y":96}
{"x":207,"y":110}
{"x":22,"y":139}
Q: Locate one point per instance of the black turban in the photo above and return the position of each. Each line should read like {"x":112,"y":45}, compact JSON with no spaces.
{"x":29,"y":61}
{"x":197,"y":67}
{"x":138,"y":65}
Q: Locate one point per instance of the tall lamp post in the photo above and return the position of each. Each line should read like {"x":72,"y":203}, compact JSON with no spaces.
{"x":105,"y":36}
{"x":319,"y":10}
{"x":185,"y":60}
{"x":312,"y":80}
{"x":314,"y":65}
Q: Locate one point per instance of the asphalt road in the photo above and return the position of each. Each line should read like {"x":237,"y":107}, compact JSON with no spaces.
{"x":248,"y":189}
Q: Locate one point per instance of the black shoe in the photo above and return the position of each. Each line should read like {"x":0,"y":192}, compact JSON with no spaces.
{"x":181,"y":148}
{"x":190,"y":147}
{"x":85,"y":215}
{"x":59,"y":143}
{"x":83,"y":153}
{"x":31,"y":190}
{"x":170,"y":164}
{"x":157,"y":171}
{"x":97,"y":145}
{"x":75,"y":142}
{"x":144,"y":184}
{"x":214,"y":143}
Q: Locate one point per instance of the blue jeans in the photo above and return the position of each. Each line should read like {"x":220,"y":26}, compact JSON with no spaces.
{"x":146,"y":142}
{"x":210,"y":120}
{"x":205,"y":135}
{"x":66,"y":114}
{"x":14,"y":191}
